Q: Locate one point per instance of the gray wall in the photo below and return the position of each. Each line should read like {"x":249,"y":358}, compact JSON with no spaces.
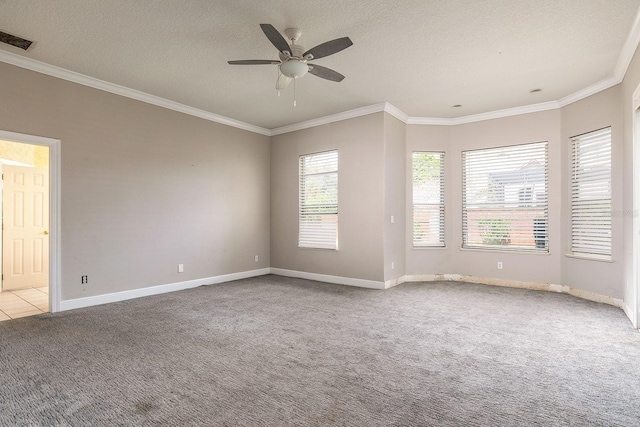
{"x":431,"y":260}
{"x":629,"y":85}
{"x":144,"y":188}
{"x":555,"y":126}
{"x":592,"y":113}
{"x":536,"y":127}
{"x":360,"y":145}
{"x":454,"y":140}
{"x":395,"y":172}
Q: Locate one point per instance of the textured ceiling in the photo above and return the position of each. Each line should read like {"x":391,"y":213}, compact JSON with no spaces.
{"x":422,"y":56}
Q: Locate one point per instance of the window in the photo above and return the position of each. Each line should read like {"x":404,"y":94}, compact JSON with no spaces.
{"x":428,"y":199}
{"x":504,"y":202}
{"x":591,"y":194}
{"x":319,"y":201}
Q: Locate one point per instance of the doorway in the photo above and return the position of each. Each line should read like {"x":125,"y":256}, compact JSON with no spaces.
{"x":29,"y":284}
{"x":24,"y":283}
{"x":634,"y":305}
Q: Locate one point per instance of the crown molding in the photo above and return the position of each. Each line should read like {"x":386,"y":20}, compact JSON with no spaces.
{"x":395,"y":112}
{"x":507,"y":112}
{"x":71,"y":76}
{"x":498,"y":114}
{"x":345,"y":115}
{"x":628,"y":50}
{"x":588,"y":91}
{"x":430,"y":121}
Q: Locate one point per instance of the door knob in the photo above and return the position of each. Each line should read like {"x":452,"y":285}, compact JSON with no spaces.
{"x":46,"y":232}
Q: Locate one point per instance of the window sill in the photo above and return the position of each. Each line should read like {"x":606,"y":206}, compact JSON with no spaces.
{"x":318,"y":249}
{"x":429,"y":247}
{"x":498,"y":251}
{"x":590,"y":257}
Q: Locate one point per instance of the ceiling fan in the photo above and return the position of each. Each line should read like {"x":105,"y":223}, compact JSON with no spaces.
{"x":294,"y":60}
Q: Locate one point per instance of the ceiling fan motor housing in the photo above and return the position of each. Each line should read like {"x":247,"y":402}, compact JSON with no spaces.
{"x":296,"y":52}
{"x":294,"y":66}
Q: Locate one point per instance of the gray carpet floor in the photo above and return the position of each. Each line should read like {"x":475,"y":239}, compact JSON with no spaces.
{"x":275,"y":351}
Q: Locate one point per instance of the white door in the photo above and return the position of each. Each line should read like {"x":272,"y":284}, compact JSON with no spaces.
{"x":25,"y":242}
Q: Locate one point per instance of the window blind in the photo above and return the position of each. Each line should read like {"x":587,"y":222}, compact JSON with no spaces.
{"x":318,"y":206}
{"x":428,"y":199}
{"x":505,"y":201}
{"x":591,"y":193}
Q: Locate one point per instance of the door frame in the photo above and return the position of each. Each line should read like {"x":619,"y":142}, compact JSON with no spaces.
{"x":635,"y":139}
{"x":55,"y":270}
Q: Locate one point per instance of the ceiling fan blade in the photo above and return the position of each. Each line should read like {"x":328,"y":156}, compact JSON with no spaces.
{"x":325,"y":73}
{"x":253,"y":62}
{"x":329,"y":48}
{"x":283,"y":81}
{"x":275,"y":38}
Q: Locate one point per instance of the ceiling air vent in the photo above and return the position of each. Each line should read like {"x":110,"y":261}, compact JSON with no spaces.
{"x":15,"y":41}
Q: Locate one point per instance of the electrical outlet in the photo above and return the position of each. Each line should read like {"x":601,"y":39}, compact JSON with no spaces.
{"x":499,"y":265}
{"x":84,"y":279}
{"x":256,"y":258}
{"x":392,"y":219}
{"x":393,"y":265}
{"x":180,"y":268}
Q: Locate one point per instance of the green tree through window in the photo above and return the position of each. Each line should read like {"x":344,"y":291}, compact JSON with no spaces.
{"x":428,"y":198}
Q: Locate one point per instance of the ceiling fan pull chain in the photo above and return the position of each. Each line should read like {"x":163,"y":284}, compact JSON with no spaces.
{"x":278,"y":82}
{"x":294,"y":91}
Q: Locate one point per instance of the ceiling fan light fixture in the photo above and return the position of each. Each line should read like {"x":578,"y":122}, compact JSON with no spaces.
{"x":294,"y":68}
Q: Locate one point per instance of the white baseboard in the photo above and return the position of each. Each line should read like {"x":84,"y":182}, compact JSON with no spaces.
{"x":631,"y":315}
{"x":550,"y":287}
{"x":394,"y":282}
{"x":361,"y":283}
{"x":156,"y":290}
{"x":237,"y":276}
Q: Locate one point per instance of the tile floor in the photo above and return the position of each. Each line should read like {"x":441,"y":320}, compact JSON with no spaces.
{"x":23,"y":302}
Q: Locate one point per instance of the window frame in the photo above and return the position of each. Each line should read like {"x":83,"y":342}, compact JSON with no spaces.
{"x":310,"y":238}
{"x":441,"y":243}
{"x":497,"y":233}
{"x":575,"y":211}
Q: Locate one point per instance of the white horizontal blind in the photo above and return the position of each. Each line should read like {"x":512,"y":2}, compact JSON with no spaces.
{"x":504,"y":204}
{"x":428,"y":199}
{"x":591,"y":193}
{"x":319,"y":201}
